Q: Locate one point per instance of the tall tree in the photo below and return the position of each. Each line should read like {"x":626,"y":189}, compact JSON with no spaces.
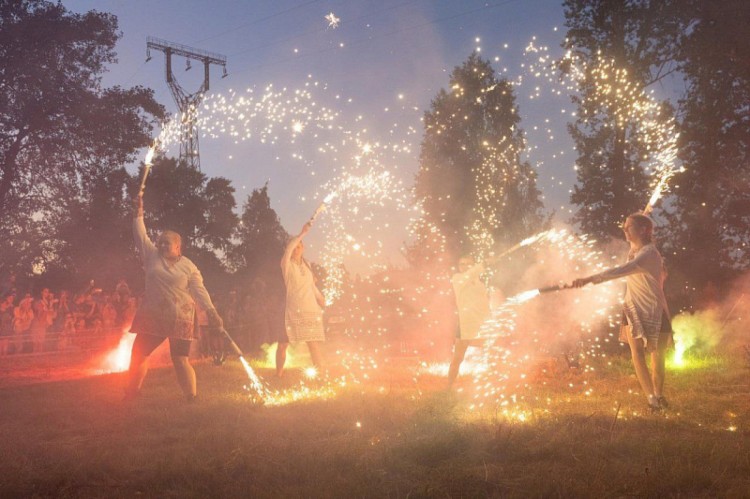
{"x":261,"y":238}
{"x":618,"y":48}
{"x":710,"y":220}
{"x":57,"y":124}
{"x":474,"y":187}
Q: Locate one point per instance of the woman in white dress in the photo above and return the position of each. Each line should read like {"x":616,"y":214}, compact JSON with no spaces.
{"x":648,"y":328}
{"x":303,"y":316}
{"x":173,"y":286}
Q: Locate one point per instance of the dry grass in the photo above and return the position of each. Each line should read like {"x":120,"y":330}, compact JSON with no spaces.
{"x":77,"y":439}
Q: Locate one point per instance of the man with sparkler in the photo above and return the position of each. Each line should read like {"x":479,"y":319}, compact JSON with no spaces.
{"x":303,"y":316}
{"x":173,"y":285}
{"x":473,"y":304}
{"x":646,"y":325}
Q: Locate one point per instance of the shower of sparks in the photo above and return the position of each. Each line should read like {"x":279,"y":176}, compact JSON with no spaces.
{"x":333,"y":21}
{"x":631,"y":106}
{"x":365,"y":179}
{"x":257,"y":388}
{"x":358,"y":198}
{"x":513,"y":339}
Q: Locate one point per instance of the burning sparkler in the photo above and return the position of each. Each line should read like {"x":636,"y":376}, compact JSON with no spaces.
{"x":322,"y":206}
{"x":526,"y":242}
{"x":260,"y":391}
{"x":148,"y":163}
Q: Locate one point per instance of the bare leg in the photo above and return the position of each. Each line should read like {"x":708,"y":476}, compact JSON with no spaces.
{"x":136,"y":373}
{"x":658,"y":370}
{"x":459,"y":352}
{"x":317,"y":357}
{"x":641,"y":370}
{"x":185,"y":375}
{"x":281,"y":357}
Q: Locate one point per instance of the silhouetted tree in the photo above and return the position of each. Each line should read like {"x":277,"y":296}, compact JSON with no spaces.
{"x":621,"y":47}
{"x":710,"y":217}
{"x":58,"y":126}
{"x":474,"y":187}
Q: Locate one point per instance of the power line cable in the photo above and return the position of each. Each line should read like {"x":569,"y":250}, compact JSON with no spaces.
{"x":256,"y":21}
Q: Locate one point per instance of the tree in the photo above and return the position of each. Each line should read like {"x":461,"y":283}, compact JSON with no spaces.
{"x":474,"y":188}
{"x":261,"y":237}
{"x":710,"y":217}
{"x":57,"y":125}
{"x":93,"y":236}
{"x":179,"y":197}
{"x":620,"y":48}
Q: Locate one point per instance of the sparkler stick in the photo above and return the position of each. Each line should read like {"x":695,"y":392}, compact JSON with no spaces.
{"x":147,"y":168}
{"x":556,"y":287}
{"x":255,"y":382}
{"x":322,"y":206}
{"x":533,"y":293}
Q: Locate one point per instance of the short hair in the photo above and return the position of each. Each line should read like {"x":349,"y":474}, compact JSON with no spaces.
{"x":644,"y":223}
{"x":173,"y":234}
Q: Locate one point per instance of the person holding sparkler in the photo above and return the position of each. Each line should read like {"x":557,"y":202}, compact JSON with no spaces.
{"x":647,"y":326}
{"x":303,"y":316}
{"x":173,"y":285}
{"x":473,"y":304}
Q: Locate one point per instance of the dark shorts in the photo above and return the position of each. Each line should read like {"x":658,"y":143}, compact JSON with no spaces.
{"x":144,"y":344}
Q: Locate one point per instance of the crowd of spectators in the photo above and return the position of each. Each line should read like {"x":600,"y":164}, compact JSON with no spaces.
{"x":92,"y":318}
{"x":45,"y":321}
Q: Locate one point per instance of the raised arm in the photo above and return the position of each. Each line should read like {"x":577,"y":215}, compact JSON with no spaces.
{"x":293,"y":242}
{"x":142,"y":242}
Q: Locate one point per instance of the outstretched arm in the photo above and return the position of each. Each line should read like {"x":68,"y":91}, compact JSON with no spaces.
{"x":632,"y":267}
{"x":293,"y":242}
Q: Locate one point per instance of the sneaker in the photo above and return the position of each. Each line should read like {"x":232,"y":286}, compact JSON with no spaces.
{"x":663,"y":402}
{"x":655,"y":408}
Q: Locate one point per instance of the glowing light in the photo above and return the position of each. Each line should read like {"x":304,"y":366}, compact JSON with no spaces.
{"x":525,"y":296}
{"x":150,"y":155}
{"x":311,"y":373}
{"x":118,"y":360}
{"x":333,"y":21}
{"x":256,"y":386}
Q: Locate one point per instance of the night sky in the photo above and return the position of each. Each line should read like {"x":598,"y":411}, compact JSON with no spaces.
{"x":379,"y":68}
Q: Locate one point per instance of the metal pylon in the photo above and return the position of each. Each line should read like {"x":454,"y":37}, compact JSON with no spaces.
{"x":187,"y":103}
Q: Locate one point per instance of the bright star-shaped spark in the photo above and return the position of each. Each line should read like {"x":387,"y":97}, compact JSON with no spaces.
{"x":333,"y":21}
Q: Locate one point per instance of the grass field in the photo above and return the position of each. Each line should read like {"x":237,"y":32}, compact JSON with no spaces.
{"x":400,"y":435}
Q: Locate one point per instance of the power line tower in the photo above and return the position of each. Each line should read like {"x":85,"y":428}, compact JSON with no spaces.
{"x":187,"y":103}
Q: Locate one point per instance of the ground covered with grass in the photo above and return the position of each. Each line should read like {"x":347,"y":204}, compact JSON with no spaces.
{"x":398,"y":435}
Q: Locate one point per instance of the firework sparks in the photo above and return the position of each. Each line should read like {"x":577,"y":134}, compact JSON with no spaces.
{"x":333,"y":21}
{"x":118,"y":359}
{"x":524,"y":297}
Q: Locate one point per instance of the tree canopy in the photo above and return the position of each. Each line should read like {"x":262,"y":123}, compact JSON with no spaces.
{"x":474,"y":187}
{"x":58,"y":126}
